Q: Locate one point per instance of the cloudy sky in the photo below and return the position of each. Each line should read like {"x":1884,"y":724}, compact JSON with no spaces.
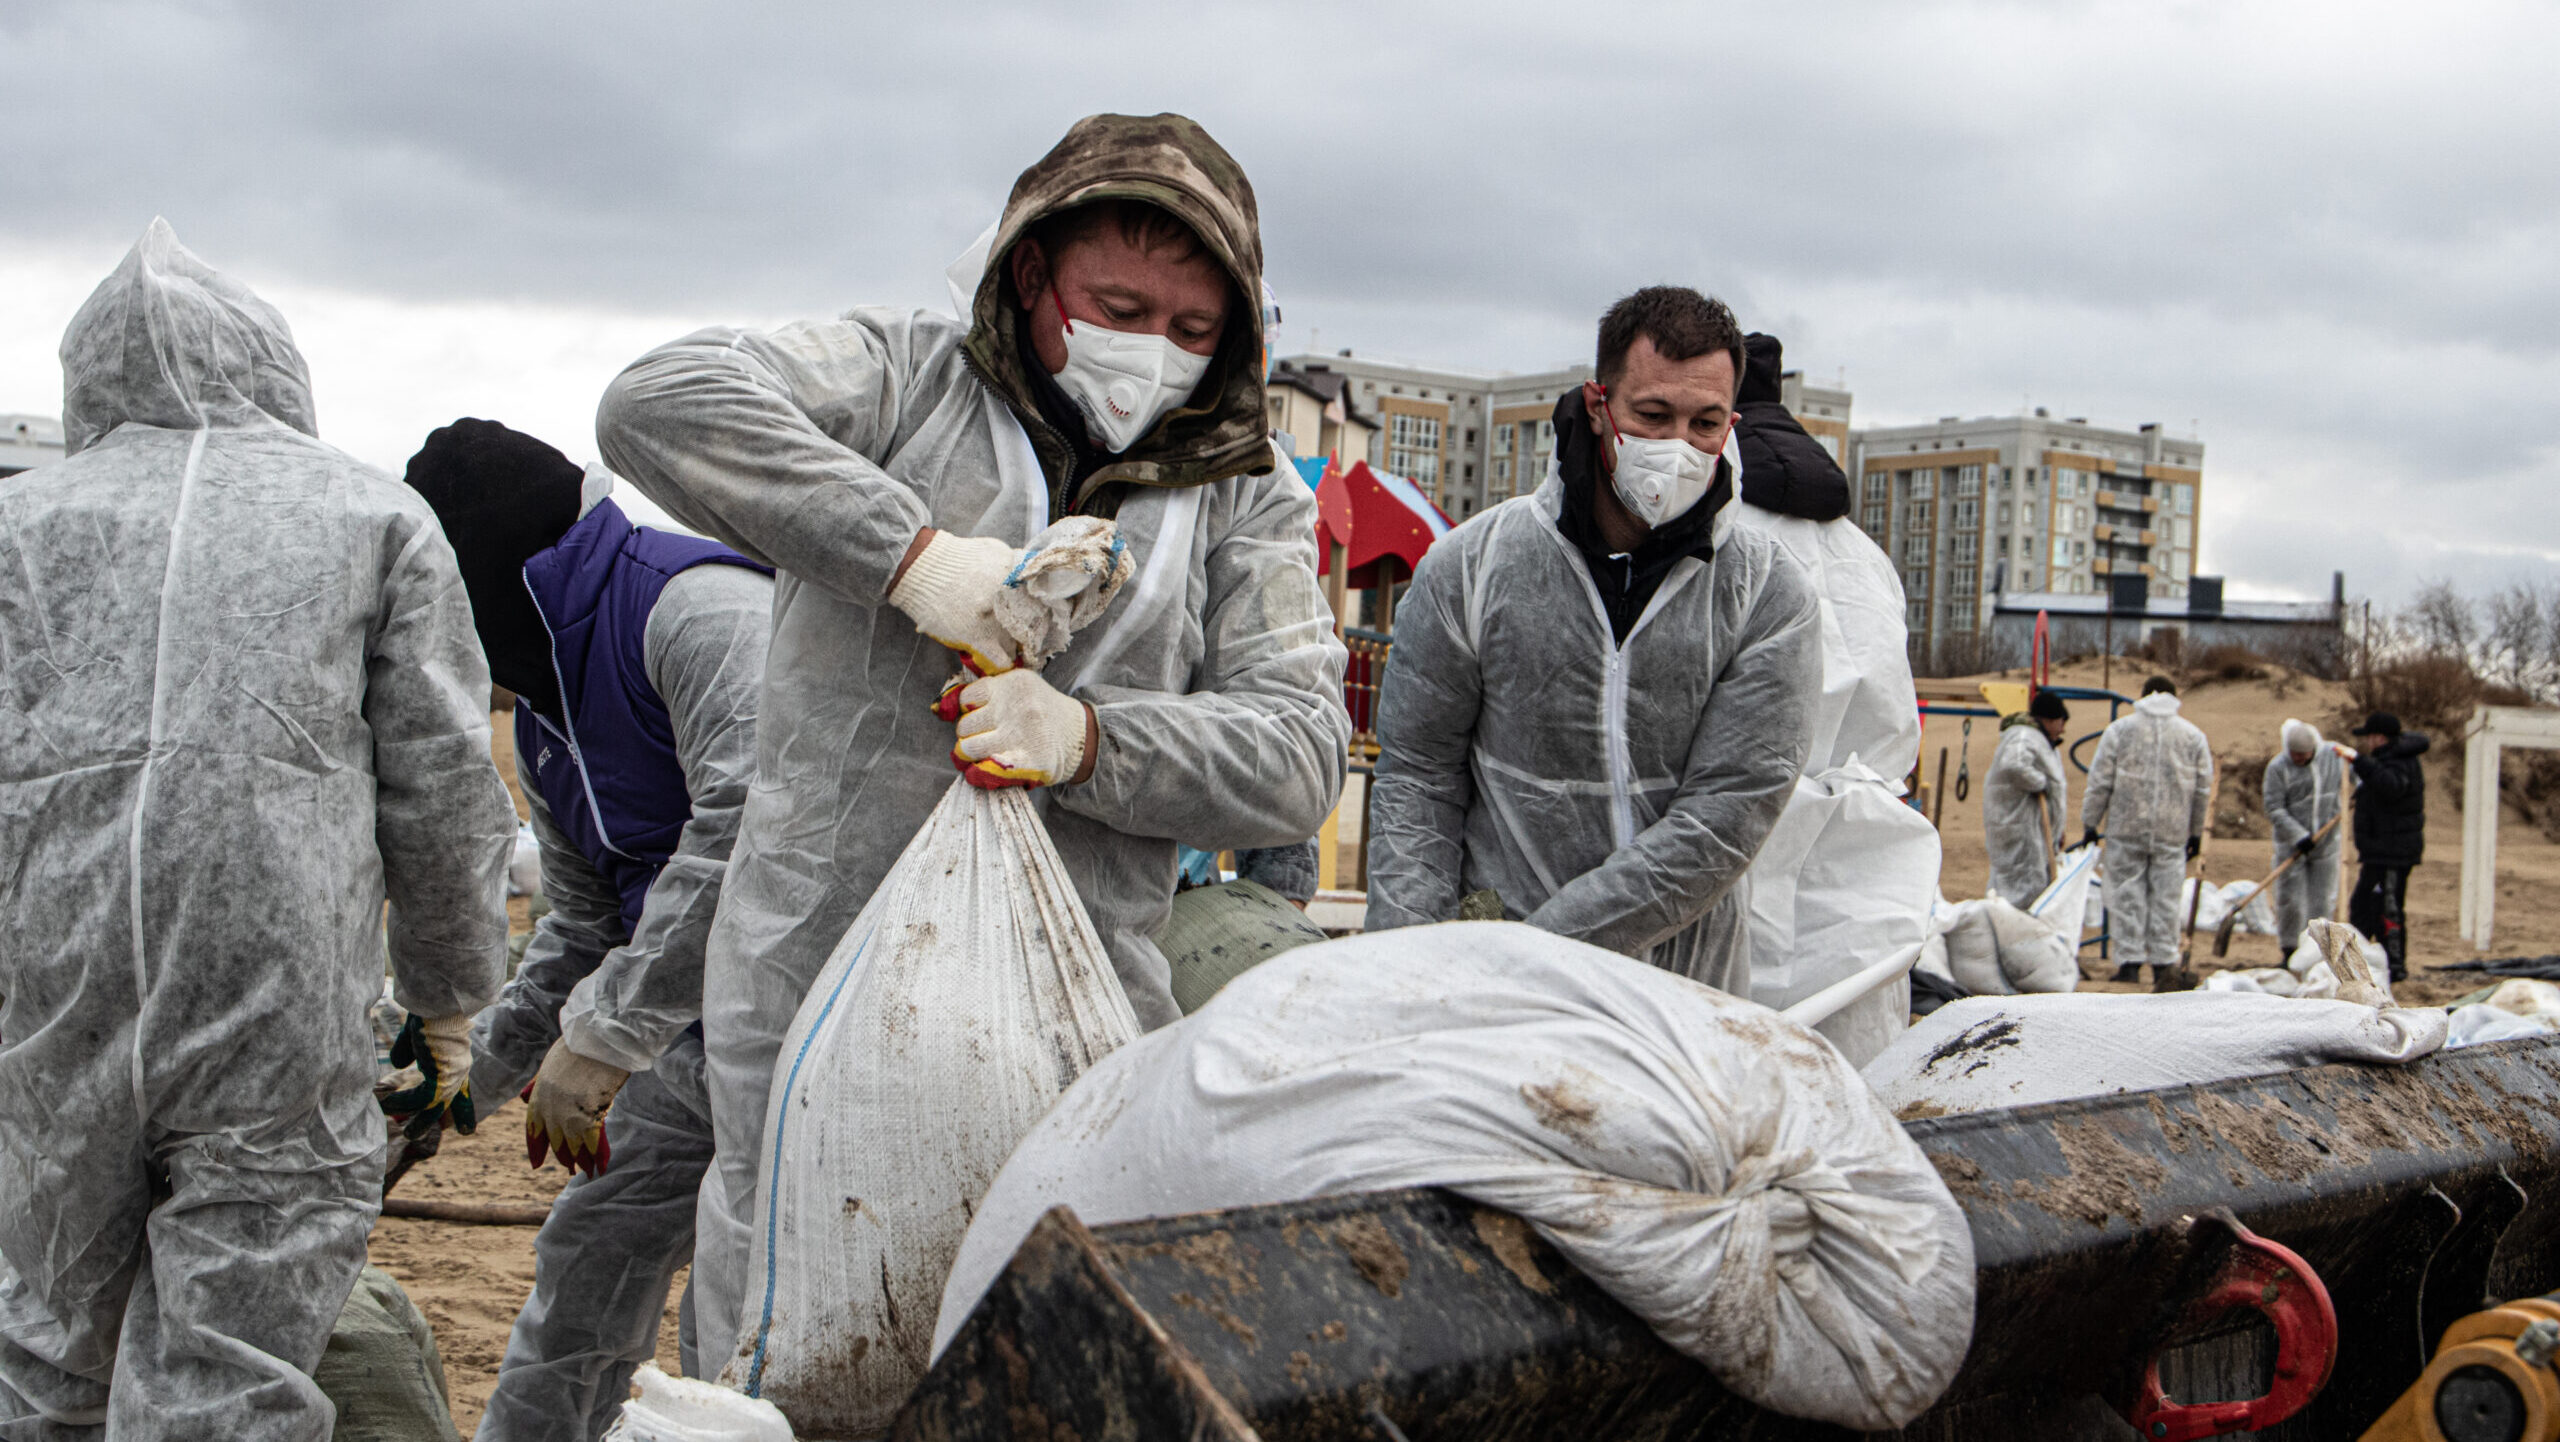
{"x":2324,"y":236}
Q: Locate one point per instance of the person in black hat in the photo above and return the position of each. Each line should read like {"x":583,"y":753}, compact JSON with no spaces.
{"x":2391,"y":832}
{"x":2025,"y":797}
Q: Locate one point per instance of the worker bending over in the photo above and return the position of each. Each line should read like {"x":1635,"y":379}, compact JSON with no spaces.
{"x":1603,"y":693}
{"x":2150,"y":793}
{"x":244,"y":707}
{"x":635,"y":656}
{"x":892,"y":464}
{"x":2305,"y":786}
{"x":2391,"y":833}
{"x":2024,"y":799}
{"x":1848,"y":872}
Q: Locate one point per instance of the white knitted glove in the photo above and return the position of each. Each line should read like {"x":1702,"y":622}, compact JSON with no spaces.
{"x":1018,"y":730}
{"x":949,"y":591}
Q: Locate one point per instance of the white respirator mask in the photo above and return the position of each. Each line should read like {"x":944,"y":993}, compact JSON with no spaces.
{"x":1124,"y":383}
{"x":1658,"y":480}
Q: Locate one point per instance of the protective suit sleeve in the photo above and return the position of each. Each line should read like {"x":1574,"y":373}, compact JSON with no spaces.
{"x":2102,"y":783}
{"x":2288,"y":828}
{"x":2013,"y":765}
{"x":1253,"y":753}
{"x":2200,"y":804}
{"x":442,"y":822}
{"x":704,"y":648}
{"x":722,"y":428}
{"x":585,"y":922}
{"x":1428,"y":705}
{"x":1748,"y":750}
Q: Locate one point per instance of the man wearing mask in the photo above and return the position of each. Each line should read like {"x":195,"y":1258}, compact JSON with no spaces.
{"x":635,"y":656}
{"x":2391,"y":832}
{"x":1603,"y":694}
{"x":2304,"y":786}
{"x":891,"y":465}
{"x":244,"y":709}
{"x":2024,"y":797}
{"x":2150,"y":792}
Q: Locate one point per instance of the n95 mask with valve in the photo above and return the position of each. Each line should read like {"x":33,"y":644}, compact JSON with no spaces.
{"x":1661,"y":480}
{"x":1125,"y":383}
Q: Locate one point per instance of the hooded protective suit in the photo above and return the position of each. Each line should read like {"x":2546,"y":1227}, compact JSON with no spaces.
{"x":2300,"y":799}
{"x":1848,"y":872}
{"x":2150,"y":788}
{"x":1610,"y":791}
{"x":821,"y":448}
{"x":2026,"y":776}
{"x":245,"y":705}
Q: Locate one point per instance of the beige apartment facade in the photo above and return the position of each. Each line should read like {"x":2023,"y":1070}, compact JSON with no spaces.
{"x":1969,"y":509}
{"x":1469,"y":439}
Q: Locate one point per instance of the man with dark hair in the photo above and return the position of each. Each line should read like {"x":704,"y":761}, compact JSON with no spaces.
{"x":1603,"y":693}
{"x":2025,"y":798}
{"x":2150,"y":793}
{"x":892,"y":464}
{"x":636,"y":656}
{"x":2391,"y":832}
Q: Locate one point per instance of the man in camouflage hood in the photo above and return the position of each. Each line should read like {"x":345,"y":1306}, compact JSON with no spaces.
{"x":889,"y":464}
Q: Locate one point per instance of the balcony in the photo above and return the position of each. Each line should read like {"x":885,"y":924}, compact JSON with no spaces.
{"x":2125,"y":501}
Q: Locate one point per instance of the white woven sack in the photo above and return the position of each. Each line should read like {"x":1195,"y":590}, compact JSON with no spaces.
{"x":1720,"y":1170}
{"x":967,"y":996}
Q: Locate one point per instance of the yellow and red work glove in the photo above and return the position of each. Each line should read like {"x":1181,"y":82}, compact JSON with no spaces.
{"x":1018,"y":730}
{"x":565,"y":1110}
{"x":948,"y":588}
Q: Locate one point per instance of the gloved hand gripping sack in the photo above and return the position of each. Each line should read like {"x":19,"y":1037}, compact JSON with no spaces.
{"x":966,"y":997}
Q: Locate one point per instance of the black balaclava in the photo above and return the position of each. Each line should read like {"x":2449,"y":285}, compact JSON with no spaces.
{"x":503,"y":497}
{"x":1783,"y":468}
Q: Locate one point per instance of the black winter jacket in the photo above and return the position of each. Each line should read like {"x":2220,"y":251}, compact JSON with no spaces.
{"x":1783,"y":469}
{"x":2391,"y":803}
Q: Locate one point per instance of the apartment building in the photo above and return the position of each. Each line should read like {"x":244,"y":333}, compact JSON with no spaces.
{"x":1469,"y":439}
{"x":1971,"y":508}
{"x":1314,"y":411}
{"x":27,"y":442}
{"x":1823,"y":411}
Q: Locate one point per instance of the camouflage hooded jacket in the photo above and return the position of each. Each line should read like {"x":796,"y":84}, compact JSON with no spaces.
{"x":1169,"y":162}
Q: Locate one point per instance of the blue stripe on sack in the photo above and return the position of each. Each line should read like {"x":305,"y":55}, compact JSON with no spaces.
{"x":773,"y":1200}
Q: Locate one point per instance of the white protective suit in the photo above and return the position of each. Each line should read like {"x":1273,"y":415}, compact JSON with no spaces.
{"x":2300,"y":799}
{"x":1848,"y":874}
{"x":613,"y":1244}
{"x":2026,"y":776}
{"x":2150,"y":788}
{"x":821,"y":448}
{"x":1610,"y":793}
{"x":245,"y":705}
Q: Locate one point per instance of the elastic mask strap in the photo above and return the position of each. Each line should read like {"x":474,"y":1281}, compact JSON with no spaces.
{"x":1062,"y":308}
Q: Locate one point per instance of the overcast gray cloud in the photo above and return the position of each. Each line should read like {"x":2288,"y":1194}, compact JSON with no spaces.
{"x":2323,"y":234}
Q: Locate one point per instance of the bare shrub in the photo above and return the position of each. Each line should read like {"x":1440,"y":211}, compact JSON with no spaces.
{"x":2228,"y":661}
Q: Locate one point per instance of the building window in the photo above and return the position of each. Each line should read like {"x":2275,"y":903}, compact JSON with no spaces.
{"x":1915,"y":550}
{"x":2186,"y":499}
{"x":1502,"y":438}
{"x":1915,"y":618}
{"x":2061,"y":551}
{"x":1959,"y":617}
{"x":2004,"y":548}
{"x":1915,"y":583}
{"x":1471,"y":435}
{"x":2004,"y":515}
{"x":1413,"y":450}
{"x":2027,"y":514}
{"x":1967,"y":548}
{"x":1969,"y":481}
{"x":2031,"y":478}
{"x":2177,"y":565}
{"x":1968,"y":516}
{"x":1879,"y":485}
{"x":1924,"y":484}
{"x":2079,"y":551}
{"x":1874,"y":521}
{"x":1499,"y":487}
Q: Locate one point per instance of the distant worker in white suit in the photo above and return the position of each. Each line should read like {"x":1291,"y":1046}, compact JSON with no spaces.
{"x":2024,"y":799}
{"x":2305,"y":787}
{"x":2150,"y":791}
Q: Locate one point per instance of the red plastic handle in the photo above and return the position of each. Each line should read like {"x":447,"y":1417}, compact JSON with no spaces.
{"x":2271,"y":1280}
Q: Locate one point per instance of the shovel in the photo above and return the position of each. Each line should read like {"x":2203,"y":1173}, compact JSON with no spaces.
{"x":2182,"y":977}
{"x":2231,"y":918}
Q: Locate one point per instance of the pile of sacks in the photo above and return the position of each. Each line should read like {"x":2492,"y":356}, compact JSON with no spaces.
{"x":1991,"y":948}
{"x":2519,"y":1007}
{"x":2310,"y":974}
{"x":2257,"y":918}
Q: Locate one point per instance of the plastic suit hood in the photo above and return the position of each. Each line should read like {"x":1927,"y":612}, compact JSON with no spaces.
{"x":1169,"y":162}
{"x":241,"y":704}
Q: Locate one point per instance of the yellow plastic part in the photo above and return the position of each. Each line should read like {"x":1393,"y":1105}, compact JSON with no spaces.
{"x":2483,"y":1339}
{"x":2006,"y":697}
